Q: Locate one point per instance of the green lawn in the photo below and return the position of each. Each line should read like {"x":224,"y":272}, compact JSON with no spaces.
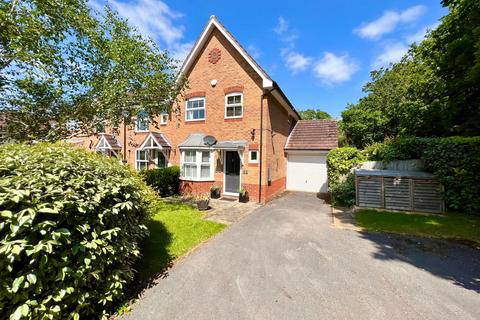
{"x":174,"y":230}
{"x":454,"y":225}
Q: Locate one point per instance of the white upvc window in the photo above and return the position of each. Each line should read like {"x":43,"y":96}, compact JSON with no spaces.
{"x":141,"y":159}
{"x":234,"y":105}
{"x":142,"y":122}
{"x":163,"y":118}
{"x":253,"y":156}
{"x":195,"y":109}
{"x":197,"y":165}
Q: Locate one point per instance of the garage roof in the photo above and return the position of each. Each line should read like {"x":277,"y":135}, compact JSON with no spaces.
{"x":313,"y":135}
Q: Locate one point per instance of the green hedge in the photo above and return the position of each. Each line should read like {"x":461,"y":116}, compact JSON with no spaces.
{"x":341,"y":162}
{"x":70,"y":226}
{"x":165,"y":181}
{"x":455,"y":161}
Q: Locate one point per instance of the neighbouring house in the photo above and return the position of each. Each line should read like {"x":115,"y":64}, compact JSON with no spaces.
{"x":232,"y":129}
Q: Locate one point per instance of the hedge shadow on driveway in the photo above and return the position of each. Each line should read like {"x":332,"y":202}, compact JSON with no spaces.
{"x":449,"y":260}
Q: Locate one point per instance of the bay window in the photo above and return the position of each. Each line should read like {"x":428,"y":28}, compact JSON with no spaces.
{"x":197,"y":165}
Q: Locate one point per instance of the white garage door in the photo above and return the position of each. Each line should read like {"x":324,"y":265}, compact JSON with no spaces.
{"x":307,"y":172}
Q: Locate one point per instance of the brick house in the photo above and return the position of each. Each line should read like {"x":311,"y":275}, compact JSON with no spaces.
{"x":230,"y":129}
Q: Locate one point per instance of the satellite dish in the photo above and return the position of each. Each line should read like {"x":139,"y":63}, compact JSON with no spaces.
{"x":209,"y":140}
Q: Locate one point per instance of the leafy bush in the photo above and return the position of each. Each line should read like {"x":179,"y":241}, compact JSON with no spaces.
{"x":455,"y":161}
{"x":340,"y":163}
{"x":343,"y":193}
{"x":165,"y":181}
{"x":70,"y":224}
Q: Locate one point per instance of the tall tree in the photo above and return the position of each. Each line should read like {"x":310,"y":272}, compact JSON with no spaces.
{"x":314,"y":114}
{"x":433,"y":91}
{"x":65,"y":68}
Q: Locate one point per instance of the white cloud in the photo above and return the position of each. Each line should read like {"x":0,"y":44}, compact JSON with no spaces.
{"x":254,"y":51}
{"x":388,"y":22}
{"x":420,"y":35}
{"x":153,"y":19}
{"x":296,"y":62}
{"x":333,"y":69}
{"x":181,"y":51}
{"x":392,"y":53}
{"x":281,"y":27}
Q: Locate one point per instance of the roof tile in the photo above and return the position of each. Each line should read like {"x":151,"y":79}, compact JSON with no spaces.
{"x":313,"y":135}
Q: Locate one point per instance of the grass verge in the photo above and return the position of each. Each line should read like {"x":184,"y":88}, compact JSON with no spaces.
{"x":452,"y":226}
{"x":174,"y":230}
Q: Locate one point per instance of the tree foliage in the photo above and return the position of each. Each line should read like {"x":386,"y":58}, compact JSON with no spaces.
{"x":65,"y":68}
{"x":314,"y":114}
{"x":433,"y":91}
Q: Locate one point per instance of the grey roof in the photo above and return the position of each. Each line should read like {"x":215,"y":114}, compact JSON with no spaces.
{"x":394,"y":173}
{"x":231,"y":144}
{"x":194,"y":140}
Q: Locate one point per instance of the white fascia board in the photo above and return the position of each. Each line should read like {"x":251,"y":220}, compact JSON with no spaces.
{"x":266,"y":81}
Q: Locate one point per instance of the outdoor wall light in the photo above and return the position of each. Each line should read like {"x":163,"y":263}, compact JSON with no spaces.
{"x":213,"y":83}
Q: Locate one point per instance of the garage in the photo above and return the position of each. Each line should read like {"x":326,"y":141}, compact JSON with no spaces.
{"x":307,"y":172}
{"x":307,"y":147}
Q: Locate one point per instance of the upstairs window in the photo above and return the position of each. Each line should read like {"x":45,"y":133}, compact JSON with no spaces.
{"x":142,"y":122}
{"x":234,"y":105}
{"x":195,"y":109}
{"x":163,"y":118}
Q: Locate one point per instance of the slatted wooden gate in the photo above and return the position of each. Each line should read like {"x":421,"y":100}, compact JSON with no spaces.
{"x":399,"y":190}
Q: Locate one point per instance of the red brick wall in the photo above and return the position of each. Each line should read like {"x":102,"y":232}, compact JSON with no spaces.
{"x":232,"y":73}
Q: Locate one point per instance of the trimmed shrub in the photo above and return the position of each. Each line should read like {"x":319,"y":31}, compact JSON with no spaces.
{"x":70,"y":226}
{"x":165,"y":181}
{"x":456,"y":163}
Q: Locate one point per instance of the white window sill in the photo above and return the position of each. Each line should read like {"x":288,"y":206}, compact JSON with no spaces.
{"x":193,"y":120}
{"x":197,"y":180}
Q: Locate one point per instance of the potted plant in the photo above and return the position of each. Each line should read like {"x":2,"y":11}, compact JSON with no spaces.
{"x":215,"y":192}
{"x":202,"y":201}
{"x":243,"y":195}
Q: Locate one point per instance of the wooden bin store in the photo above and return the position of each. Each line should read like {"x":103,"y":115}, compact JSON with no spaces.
{"x":398,"y":190}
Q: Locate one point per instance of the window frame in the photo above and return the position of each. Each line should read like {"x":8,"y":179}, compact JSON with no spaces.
{"x":198,"y":164}
{"x":204,"y":109}
{"x":146,"y":119}
{"x":164,"y":117}
{"x":233,"y":105}
{"x":137,"y":160}
{"x":250,"y":160}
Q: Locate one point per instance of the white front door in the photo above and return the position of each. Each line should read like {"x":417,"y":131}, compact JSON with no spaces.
{"x":307,"y":172}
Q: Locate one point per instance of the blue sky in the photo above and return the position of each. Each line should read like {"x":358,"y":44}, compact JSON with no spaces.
{"x":320,"y":52}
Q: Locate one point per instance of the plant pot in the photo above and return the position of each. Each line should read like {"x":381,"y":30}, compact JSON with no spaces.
{"x":202,"y":204}
{"x":215,"y":193}
{"x":243,"y":198}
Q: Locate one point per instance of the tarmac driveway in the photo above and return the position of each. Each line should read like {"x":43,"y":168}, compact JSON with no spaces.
{"x":285,"y":261}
